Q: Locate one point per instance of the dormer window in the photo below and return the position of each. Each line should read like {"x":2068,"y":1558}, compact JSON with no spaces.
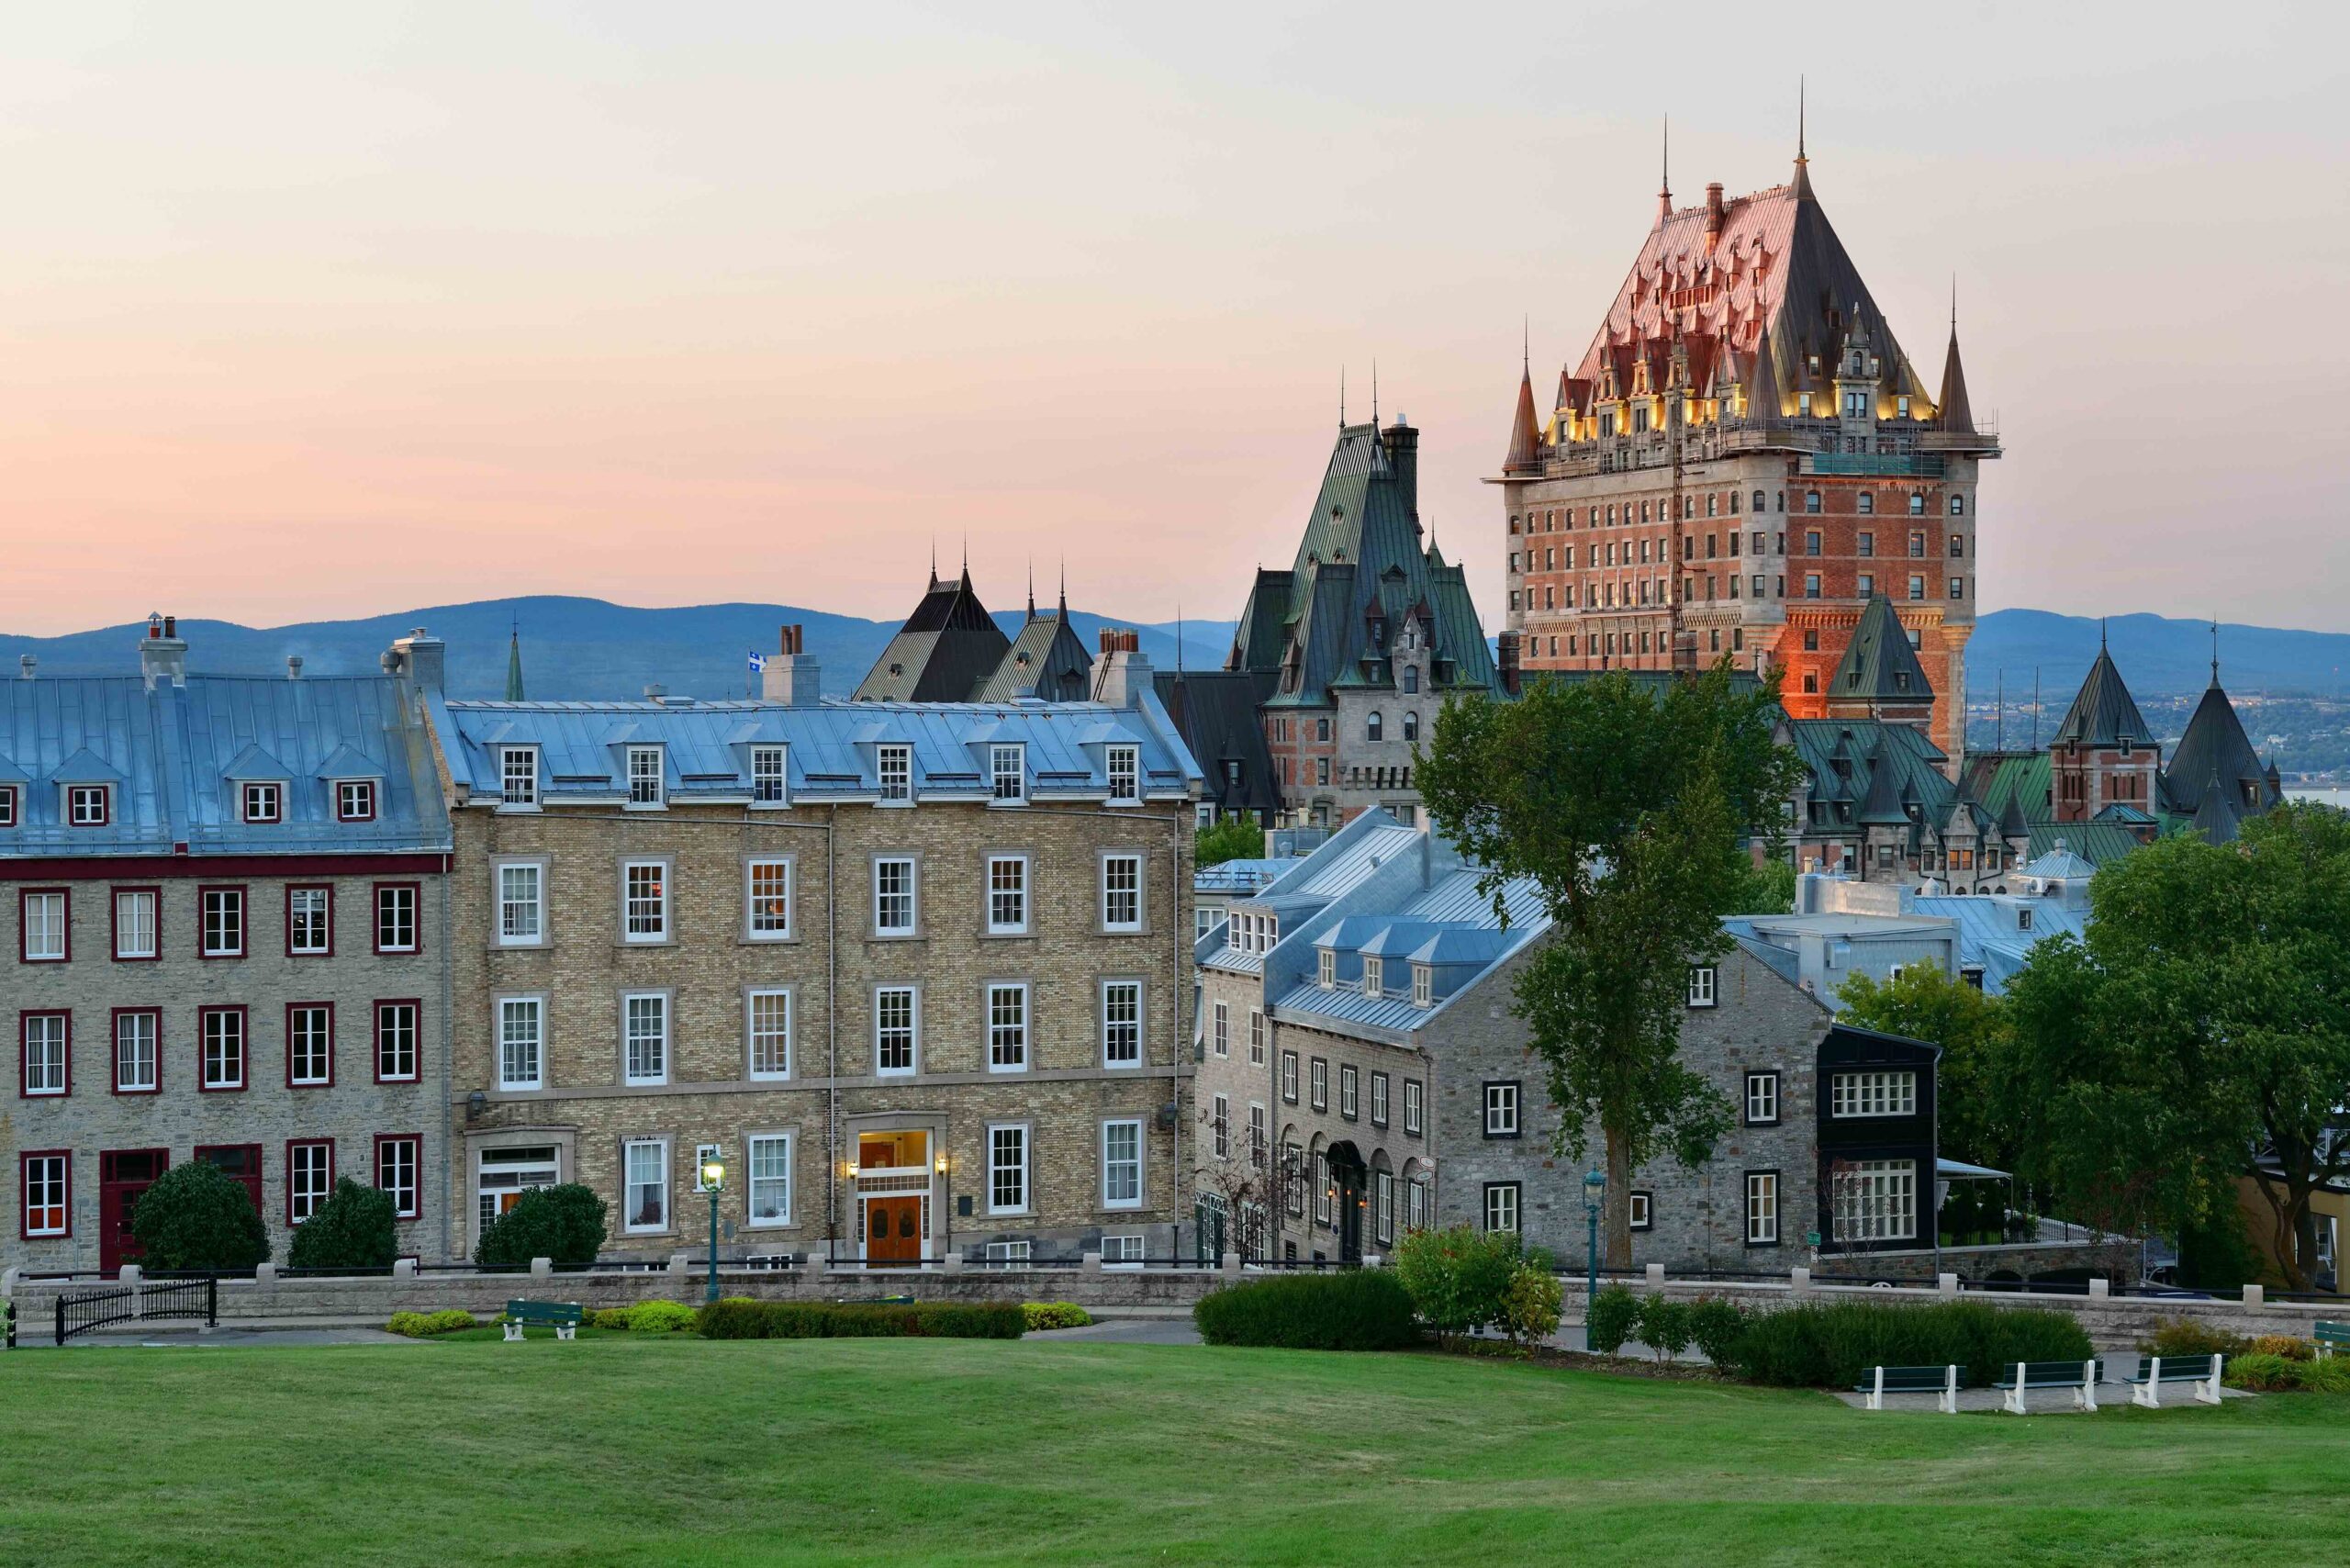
{"x":896,"y":769}
{"x":264,"y":802}
{"x":1373,"y":981}
{"x":1126,"y":773}
{"x":354,"y":799}
{"x":88,"y":805}
{"x":1007,"y":771}
{"x":1423,"y":985}
{"x":1327,"y":969}
{"x":517,"y":772}
{"x":2023,"y":918}
{"x":8,"y":805}
{"x":644,"y":779}
{"x":767,"y":775}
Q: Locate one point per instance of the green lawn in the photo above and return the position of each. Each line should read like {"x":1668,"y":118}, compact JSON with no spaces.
{"x":677,"y":1450}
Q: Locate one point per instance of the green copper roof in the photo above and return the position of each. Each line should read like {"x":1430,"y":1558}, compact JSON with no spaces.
{"x":1879,"y":666}
{"x":1844,"y":758}
{"x":2103,"y":712}
{"x":2215,"y":750}
{"x":514,"y":668}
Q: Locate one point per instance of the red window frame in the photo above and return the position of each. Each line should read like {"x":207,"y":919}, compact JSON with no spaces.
{"x":416,"y":1004}
{"x":114,"y":1049}
{"x":291,"y":1009}
{"x":251,"y":1184}
{"x":245,"y":1049}
{"x":106,"y":805}
{"x":293,"y":888}
{"x":373,"y":788}
{"x":24,"y":1053}
{"x":244,"y":919}
{"x":23,"y":924}
{"x":415,"y":924}
{"x":114,"y":922}
{"x":245,"y":788}
{"x":416,"y":1142}
{"x":24,"y":1231}
{"x":291,"y":1145}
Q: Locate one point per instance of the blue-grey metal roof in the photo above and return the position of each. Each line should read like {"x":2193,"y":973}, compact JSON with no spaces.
{"x":1239,"y":876}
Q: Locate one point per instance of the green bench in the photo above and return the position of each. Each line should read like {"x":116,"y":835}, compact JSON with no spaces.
{"x":2154,"y":1371}
{"x":562,"y":1317}
{"x":2081,"y":1377}
{"x":2331,"y":1336}
{"x":1942,"y":1382}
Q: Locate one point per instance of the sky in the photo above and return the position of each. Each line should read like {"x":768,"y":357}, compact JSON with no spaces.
{"x":309,"y":312}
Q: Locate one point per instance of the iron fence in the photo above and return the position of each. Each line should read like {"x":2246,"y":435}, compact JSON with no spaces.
{"x":184,"y":1298}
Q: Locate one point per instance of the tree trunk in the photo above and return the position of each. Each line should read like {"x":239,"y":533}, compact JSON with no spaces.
{"x":2292,"y":1222}
{"x":1618,"y":1216}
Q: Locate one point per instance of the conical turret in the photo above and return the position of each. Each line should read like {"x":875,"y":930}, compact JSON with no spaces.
{"x":1525,"y":436}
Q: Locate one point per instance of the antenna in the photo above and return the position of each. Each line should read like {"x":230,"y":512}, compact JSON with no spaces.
{"x":1999,"y":715}
{"x":1179,"y":636}
{"x":1799,"y":120}
{"x":2215,"y":653}
{"x":1374,"y":393}
{"x":2035,"y":707}
{"x":1342,"y":397}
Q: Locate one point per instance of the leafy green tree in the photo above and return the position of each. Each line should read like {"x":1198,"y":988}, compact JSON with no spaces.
{"x":354,"y":1228}
{"x":196,"y":1216}
{"x":1632,"y":806}
{"x":1924,"y":1004}
{"x":1458,"y":1276}
{"x":2200,"y":1033}
{"x":1231,"y":839}
{"x":1769,"y":889}
{"x":566,"y":1222}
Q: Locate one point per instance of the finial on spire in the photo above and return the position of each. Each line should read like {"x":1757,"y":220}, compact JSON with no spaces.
{"x":1032,"y":588}
{"x":1526,"y":351}
{"x":1342,"y":397}
{"x":1374,"y":393}
{"x":1664,"y":177}
{"x":934,"y":558}
{"x":2215,"y":653}
{"x":1064,"y":588}
{"x":2101,"y":633}
{"x":1802,"y":184}
{"x":1954,"y":305}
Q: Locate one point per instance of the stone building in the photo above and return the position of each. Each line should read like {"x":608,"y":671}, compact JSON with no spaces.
{"x":1363,"y":1075}
{"x":1742,"y":458}
{"x":917,"y":971}
{"x":228,"y":897}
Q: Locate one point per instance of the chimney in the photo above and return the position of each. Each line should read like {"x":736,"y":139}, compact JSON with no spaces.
{"x":1713,"y":214}
{"x":655,"y":691}
{"x":161,"y":655}
{"x":1121,"y":673}
{"x":293,"y":667}
{"x":419,"y":658}
{"x":1507,"y":648}
{"x":25,"y":661}
{"x":1403,"y":444}
{"x":792,"y":677}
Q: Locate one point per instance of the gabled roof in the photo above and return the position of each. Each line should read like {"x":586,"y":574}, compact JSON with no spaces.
{"x":2103,"y":711}
{"x":1048,"y":661}
{"x":2099,"y":844}
{"x":1882,"y":806}
{"x":946,"y":649}
{"x":1879,"y":666}
{"x":1866,"y":746}
{"x":1217,"y":713}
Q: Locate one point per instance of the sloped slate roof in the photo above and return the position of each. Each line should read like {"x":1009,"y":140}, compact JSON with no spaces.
{"x":2215,"y":750}
{"x":946,"y":649}
{"x":1217,"y":714}
{"x":1867,"y":746}
{"x":1879,"y":666}
{"x":1047,"y":660}
{"x":2103,"y":711}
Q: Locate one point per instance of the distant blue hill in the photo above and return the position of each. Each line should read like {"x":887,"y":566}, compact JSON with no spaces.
{"x":571,"y":647}
{"x":2156,"y":656}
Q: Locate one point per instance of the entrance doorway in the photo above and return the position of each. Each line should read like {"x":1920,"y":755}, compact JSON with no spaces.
{"x":893,"y":1232}
{"x":123,"y":1175}
{"x":1350,"y":1178}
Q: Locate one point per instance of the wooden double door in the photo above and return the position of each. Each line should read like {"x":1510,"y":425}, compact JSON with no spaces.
{"x":892,"y":1231}
{"x":123,"y":1175}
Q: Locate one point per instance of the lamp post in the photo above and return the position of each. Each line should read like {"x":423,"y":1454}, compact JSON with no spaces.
{"x":1594,"y":1191}
{"x":713,"y":1181}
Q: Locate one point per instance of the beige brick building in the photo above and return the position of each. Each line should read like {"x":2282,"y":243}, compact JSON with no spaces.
{"x":917,"y":971}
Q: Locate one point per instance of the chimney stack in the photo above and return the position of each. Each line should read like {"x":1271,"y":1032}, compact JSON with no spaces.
{"x":293,"y":667}
{"x":1713,"y":214}
{"x":1121,"y":673}
{"x":419,"y":658}
{"x":25,"y":662}
{"x":1403,"y":444}
{"x":1507,"y":646}
{"x":163,"y":657}
{"x":792,"y":677}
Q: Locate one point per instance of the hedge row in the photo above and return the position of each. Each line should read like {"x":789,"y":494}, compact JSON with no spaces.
{"x":1362,"y":1309}
{"x":1831,"y":1344}
{"x":738,"y":1317}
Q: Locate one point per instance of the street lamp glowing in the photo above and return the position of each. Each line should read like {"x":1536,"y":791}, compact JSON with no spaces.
{"x":713,"y":1181}
{"x":942,"y":1165}
{"x":713,"y":1174}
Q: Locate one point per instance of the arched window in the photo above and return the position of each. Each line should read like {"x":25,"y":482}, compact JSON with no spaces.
{"x":1917,"y":503}
{"x":1958,"y":506}
{"x":1412,"y":721}
{"x":1374,"y":730}
{"x":1868,"y":503}
{"x":1758,"y":500}
{"x":1410,"y":677}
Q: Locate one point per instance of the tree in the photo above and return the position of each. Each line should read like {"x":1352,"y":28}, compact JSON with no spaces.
{"x":1924,"y":1004}
{"x":354,"y":1228}
{"x":198,"y":1216}
{"x":2199,"y":1035}
{"x":564,"y":1223}
{"x":1769,"y":889}
{"x":1632,"y":807}
{"x":1233,"y":838}
{"x":1252,"y":1188}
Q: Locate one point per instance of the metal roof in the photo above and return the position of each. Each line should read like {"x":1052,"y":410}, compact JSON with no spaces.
{"x":2103,"y":712}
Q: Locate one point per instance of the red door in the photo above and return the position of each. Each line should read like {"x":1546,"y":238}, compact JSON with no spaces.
{"x":893,"y":1231}
{"x":123,"y":1174}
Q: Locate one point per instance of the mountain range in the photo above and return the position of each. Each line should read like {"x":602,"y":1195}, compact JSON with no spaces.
{"x":590,"y":648}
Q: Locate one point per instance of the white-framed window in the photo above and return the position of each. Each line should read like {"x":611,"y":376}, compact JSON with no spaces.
{"x":521,"y":1042}
{"x":1873,"y":1095}
{"x":395,"y":917}
{"x":1256,"y":1037}
{"x":1125,"y":774}
{"x":1220,"y":1029}
{"x":1762,"y":1208}
{"x":645,"y":1206}
{"x":1350,"y":1091}
{"x":1378,"y":1099}
{"x":1875,"y":1200}
{"x":1324,"y":1199}
{"x":1413,"y":1098}
{"x":895,"y":765}
{"x":1416,"y":1205}
{"x":644,"y":901}
{"x":897,"y":1030}
{"x":264,"y":802}
{"x":517,"y":776}
{"x":1259,"y":1136}
{"x":223,"y":922}
{"x":769,"y":772}
{"x":309,"y":1177}
{"x":222,"y":1033}
{"x":521,"y":903}
{"x":1374,"y":974}
{"x":1762,"y":1099}
{"x":48,"y":1206}
{"x":397,"y":1027}
{"x":88,"y":805}
{"x":1007,"y":895}
{"x":1220,"y":1126}
{"x":309,"y":1045}
{"x":1289,"y":1077}
{"x":135,"y":1055}
{"x":45,"y":1053}
{"x":1501,"y":1205}
{"x":1121,"y":1163}
{"x":1008,"y":1028}
{"x":1122,"y":893}
{"x":644,"y":1036}
{"x":1007,"y":1168}
{"x":1501,"y":1109}
{"x":768,"y":1157}
{"x":1702,"y":979}
{"x":134,"y":923}
{"x":1423,"y":985}
{"x":398,"y":1170}
{"x":1639,"y":1211}
{"x":1008,"y":772}
{"x":1382,"y":1208}
{"x":1203,"y":918}
{"x":768,"y":1020}
{"x":1122,"y":1023}
{"x":1326,"y":968}
{"x":309,"y":921}
{"x":354,"y":799}
{"x":1122,"y":1251}
{"x":767,"y":895}
{"x":1008,"y":1254}
{"x":44,"y":917}
{"x":646,"y":781}
{"x":1317,"y":1083}
{"x":895,"y":896}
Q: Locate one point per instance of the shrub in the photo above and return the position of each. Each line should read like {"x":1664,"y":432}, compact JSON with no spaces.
{"x":354,"y":1228}
{"x":2190,"y":1336}
{"x":658,"y":1317}
{"x":1614,"y":1312}
{"x":1830,"y":1344}
{"x":1043,"y":1315}
{"x":2284,"y":1345}
{"x":1664,"y":1326}
{"x":1714,"y":1328}
{"x":2329,"y":1375}
{"x":2262,"y":1373}
{"x":613,"y":1317}
{"x":423,"y":1325}
{"x":564,"y":1223}
{"x":740,"y":1318}
{"x":196,"y":1216}
{"x":1530,"y":1304}
{"x":1362,"y":1309}
{"x":1455,"y":1277}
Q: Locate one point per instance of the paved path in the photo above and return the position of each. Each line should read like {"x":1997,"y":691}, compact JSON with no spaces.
{"x":191,"y":1339}
{"x":1128,"y":1331}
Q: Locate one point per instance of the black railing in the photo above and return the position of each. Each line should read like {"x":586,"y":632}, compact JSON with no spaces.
{"x":193,"y":1297}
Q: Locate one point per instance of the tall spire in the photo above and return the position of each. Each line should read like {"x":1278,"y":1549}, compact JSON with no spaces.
{"x":1525,"y":438}
{"x":1064,"y":605}
{"x":1032,"y":588}
{"x":2215,"y":653}
{"x":1374,"y":393}
{"x":1803,"y":164}
{"x":1342,"y":397}
{"x":1665,"y":176}
{"x":934,"y":558}
{"x":514,"y":664}
{"x":1957,"y":414}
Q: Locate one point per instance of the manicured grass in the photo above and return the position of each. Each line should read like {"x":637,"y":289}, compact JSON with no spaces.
{"x":674,"y":1449}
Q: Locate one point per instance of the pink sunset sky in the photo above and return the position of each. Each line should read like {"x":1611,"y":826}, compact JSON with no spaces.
{"x":314,"y":311}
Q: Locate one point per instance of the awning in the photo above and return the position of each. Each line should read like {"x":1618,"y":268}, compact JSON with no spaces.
{"x":1959,"y":1170}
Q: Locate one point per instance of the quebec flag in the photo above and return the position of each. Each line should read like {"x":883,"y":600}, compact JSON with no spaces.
{"x":758,"y":663}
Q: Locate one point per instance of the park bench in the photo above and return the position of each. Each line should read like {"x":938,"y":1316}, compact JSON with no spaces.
{"x":1942,"y":1382}
{"x":2331,"y":1336}
{"x":2081,"y":1377}
{"x":2154,"y":1371}
{"x":562,"y":1317}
